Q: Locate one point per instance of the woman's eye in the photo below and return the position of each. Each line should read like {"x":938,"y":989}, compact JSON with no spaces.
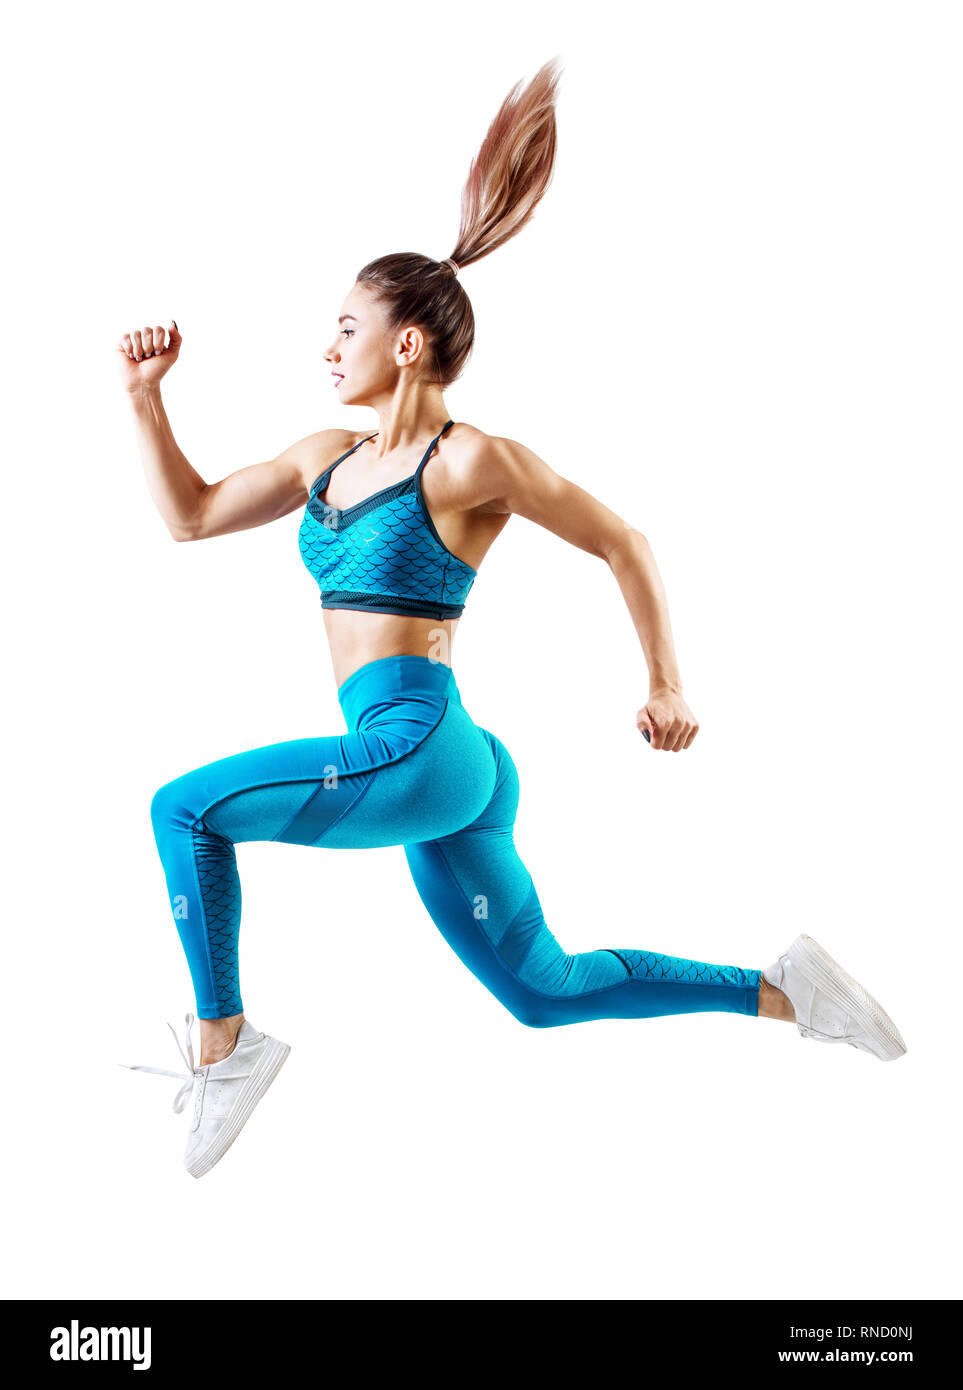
{"x":347,"y":331}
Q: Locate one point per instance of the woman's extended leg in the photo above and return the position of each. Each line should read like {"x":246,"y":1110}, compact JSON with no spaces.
{"x":483,"y":900}
{"x":264,"y":794}
{"x":417,"y":768}
{"x":413,"y":770}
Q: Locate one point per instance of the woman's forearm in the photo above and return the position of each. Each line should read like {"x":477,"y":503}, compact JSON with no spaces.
{"x":173,"y":484}
{"x":637,"y":575}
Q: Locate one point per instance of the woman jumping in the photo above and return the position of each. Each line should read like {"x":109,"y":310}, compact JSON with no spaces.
{"x":396,"y":523}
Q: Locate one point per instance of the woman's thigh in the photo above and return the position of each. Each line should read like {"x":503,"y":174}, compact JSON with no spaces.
{"x":433,"y":790}
{"x":367,"y":789}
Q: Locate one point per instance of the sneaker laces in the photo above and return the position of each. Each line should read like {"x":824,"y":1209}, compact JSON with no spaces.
{"x":183,"y":1095}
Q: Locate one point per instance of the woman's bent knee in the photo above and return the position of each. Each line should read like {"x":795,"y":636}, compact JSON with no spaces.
{"x":533,"y":1010}
{"x":171,"y":806}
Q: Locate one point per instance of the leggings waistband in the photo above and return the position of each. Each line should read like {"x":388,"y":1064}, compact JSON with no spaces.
{"x":396,"y":678}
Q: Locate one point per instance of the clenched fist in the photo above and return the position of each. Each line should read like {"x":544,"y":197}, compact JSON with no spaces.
{"x":666,"y":721}
{"x":143,"y":356}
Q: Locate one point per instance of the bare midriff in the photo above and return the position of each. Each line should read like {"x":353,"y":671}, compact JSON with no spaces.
{"x":356,"y":638}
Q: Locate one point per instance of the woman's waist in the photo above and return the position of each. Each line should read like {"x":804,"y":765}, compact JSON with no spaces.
{"x":357,"y":639}
{"x":405,"y":690}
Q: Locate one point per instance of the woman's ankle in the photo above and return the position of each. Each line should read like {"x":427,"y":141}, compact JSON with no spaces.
{"x":773,"y":1003}
{"x":218,"y":1038}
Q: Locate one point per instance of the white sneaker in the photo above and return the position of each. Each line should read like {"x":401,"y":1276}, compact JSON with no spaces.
{"x":829,"y":1004}
{"x":225,"y":1093}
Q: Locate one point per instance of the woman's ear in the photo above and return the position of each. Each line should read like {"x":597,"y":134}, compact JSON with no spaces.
{"x":410,"y":345}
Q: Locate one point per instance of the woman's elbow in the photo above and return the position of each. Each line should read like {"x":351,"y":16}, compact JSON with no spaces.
{"x":627,"y":541}
{"x":185,"y":531}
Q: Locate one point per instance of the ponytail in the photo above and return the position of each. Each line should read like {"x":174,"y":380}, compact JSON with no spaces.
{"x":512,"y":170}
{"x":507,"y":179}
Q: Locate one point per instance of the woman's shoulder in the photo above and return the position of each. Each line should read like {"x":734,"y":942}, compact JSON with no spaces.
{"x":471,"y":443}
{"x":472,"y":464}
{"x":481,"y":441}
{"x":323,"y":448}
{"x":475,"y":449}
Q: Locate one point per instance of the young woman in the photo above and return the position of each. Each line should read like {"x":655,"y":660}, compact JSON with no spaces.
{"x":396,"y":523}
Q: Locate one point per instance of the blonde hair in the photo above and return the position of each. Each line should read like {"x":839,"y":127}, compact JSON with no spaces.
{"x":507,"y":179}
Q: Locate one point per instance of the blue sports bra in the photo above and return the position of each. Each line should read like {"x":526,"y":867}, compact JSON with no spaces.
{"x":383,"y":555}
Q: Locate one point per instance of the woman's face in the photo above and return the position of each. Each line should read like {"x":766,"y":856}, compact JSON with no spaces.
{"x":362,"y":357}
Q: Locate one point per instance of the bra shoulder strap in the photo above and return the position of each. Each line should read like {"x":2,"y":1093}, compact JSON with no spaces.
{"x":320,"y":481}
{"x":351,"y":450}
{"x":428,"y":451}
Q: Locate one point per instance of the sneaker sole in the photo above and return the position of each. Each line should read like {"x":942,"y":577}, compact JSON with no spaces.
{"x":260,"y":1079}
{"x":848,"y":994}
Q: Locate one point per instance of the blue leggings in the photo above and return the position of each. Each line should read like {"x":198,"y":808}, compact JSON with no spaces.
{"x":412,"y":770}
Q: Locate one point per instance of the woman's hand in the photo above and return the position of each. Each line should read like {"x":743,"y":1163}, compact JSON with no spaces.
{"x":668,"y":721}
{"x":143,"y":357}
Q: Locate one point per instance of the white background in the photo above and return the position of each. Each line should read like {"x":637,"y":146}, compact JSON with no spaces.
{"x":735,"y":319}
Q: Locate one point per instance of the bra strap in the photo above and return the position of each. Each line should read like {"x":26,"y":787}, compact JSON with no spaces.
{"x":431,"y":446}
{"x":351,"y":450}
{"x":320,"y":482}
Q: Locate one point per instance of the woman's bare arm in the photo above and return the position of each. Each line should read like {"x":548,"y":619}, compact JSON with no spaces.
{"x":194,"y":509}
{"x":513,"y":479}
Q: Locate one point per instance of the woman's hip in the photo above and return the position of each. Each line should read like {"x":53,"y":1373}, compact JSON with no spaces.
{"x":402,"y":690}
{"x":413,"y":766}
{"x":437,"y":769}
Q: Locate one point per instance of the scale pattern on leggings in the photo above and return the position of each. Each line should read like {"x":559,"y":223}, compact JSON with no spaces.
{"x":220,"y":890}
{"x":649,"y":965}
